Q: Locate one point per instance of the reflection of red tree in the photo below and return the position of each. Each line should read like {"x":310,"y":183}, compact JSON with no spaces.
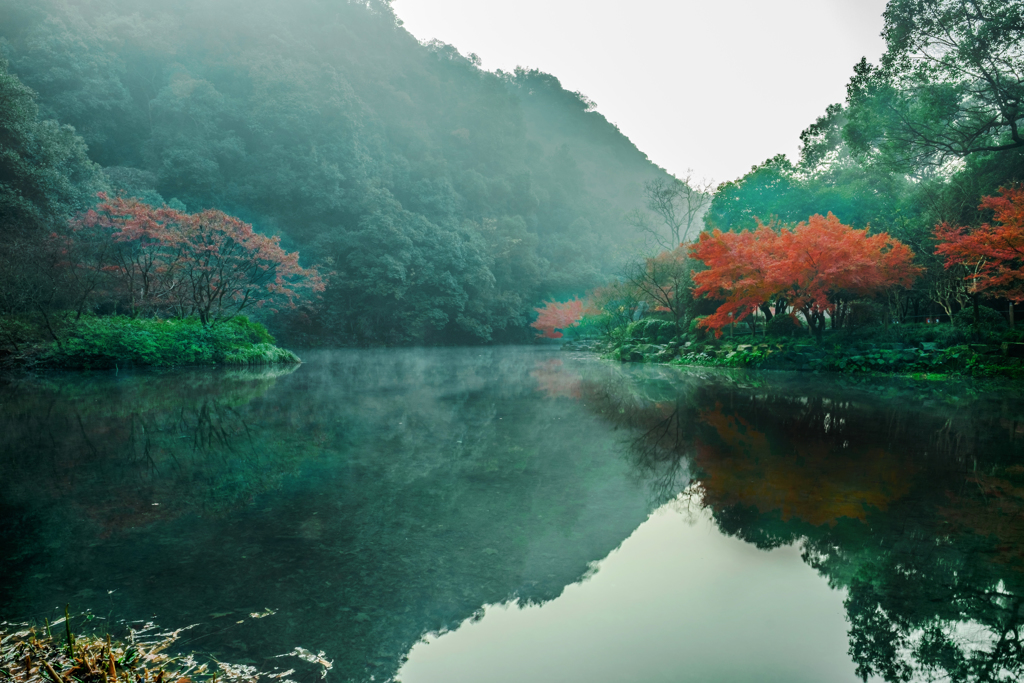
{"x":554,"y":380}
{"x":812,"y":481}
{"x":992,"y":507}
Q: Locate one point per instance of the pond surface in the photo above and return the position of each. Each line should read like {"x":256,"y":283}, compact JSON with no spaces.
{"x":514,"y":514}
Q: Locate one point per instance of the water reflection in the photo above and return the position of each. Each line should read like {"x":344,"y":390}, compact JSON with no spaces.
{"x":907,"y":495}
{"x":368,"y":497}
{"x":128,"y":451}
{"x":371,"y":498}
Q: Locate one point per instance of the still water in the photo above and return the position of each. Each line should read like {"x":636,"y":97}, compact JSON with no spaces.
{"x":521,"y":514}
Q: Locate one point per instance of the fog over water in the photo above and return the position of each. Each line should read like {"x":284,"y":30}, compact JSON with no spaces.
{"x":523,"y":514}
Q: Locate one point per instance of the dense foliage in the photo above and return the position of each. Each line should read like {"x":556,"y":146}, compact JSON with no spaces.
{"x":118,"y":341}
{"x":208,"y":264}
{"x":920,"y":140}
{"x":992,"y":255}
{"x":818,"y":268}
{"x":555,"y":317}
{"x":446,"y":200}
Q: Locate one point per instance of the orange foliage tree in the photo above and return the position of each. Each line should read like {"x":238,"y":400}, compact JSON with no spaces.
{"x":555,"y":317}
{"x":208,"y":264}
{"x":993,"y":254}
{"x":816,"y":267}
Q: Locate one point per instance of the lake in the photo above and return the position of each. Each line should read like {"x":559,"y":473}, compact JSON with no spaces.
{"x":524,"y":514}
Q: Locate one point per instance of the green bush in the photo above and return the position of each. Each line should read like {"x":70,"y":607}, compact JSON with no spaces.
{"x":260,"y":354}
{"x":107,"y":342}
{"x":784,"y":325}
{"x":695,"y":330}
{"x":865,"y":313}
{"x":650,"y":330}
{"x":594,"y":326}
{"x":990,"y":321}
{"x":15,"y":331}
{"x":950,"y":336}
{"x":659,"y":331}
{"x":635,"y":330}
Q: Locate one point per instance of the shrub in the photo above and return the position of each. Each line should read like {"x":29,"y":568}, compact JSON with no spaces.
{"x":865,"y":313}
{"x":695,"y":329}
{"x":990,"y":321}
{"x":635,"y":330}
{"x":260,"y":354}
{"x":596,"y":325}
{"x":121,"y":341}
{"x":784,"y":325}
{"x":651,"y":330}
{"x":659,"y":331}
{"x":951,"y":336}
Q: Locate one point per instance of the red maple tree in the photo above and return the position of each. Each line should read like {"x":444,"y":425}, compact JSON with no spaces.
{"x":208,"y":264}
{"x":554,"y":317}
{"x":993,"y":254}
{"x":814,"y":267}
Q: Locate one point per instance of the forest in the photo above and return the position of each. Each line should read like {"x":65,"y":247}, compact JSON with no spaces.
{"x":414,"y":197}
{"x":901,"y":223}
{"x":340,"y":183}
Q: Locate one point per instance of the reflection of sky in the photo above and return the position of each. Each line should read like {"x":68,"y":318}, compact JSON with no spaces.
{"x":676,"y":602}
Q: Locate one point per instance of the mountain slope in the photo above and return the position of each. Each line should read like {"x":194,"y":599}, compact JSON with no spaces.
{"x":446,"y":200}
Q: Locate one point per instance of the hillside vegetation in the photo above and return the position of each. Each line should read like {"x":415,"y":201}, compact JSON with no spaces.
{"x":440,"y":202}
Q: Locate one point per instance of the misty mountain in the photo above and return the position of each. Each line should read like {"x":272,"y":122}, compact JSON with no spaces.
{"x":446,"y":201}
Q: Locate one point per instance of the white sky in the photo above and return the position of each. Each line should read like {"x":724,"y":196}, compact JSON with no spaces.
{"x":716,"y":86}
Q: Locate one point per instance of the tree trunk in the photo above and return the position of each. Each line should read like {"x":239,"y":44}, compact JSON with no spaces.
{"x":977,"y":318}
{"x":1011,"y":314}
{"x":49,"y":328}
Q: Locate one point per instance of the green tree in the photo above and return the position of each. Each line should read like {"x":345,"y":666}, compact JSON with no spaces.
{"x":950,"y":84}
{"x":45,"y":176}
{"x":45,"y":171}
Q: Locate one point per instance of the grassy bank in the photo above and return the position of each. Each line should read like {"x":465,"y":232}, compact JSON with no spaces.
{"x":119,"y":341}
{"x":54,"y":653}
{"x":930,"y":350}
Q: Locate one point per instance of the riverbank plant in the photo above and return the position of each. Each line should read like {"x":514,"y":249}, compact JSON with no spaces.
{"x":120,"y":341}
{"x":902,"y":349}
{"x":57,"y":653}
{"x":54,"y":654}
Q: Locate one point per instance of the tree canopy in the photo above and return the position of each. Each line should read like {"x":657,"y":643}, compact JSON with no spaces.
{"x":993,"y":254}
{"x":448,"y":199}
{"x":950,"y":83}
{"x":921,"y":138}
{"x":814,"y":267}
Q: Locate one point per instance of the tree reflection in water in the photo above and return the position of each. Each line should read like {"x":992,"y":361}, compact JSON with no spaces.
{"x":373,"y":497}
{"x":115,"y":450}
{"x":908,"y":496}
{"x":369,"y":498}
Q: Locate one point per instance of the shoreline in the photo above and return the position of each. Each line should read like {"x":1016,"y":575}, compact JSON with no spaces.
{"x":922,"y":361}
{"x":116,"y":342}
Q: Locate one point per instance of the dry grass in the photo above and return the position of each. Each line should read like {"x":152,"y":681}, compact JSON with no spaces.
{"x":54,"y":655}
